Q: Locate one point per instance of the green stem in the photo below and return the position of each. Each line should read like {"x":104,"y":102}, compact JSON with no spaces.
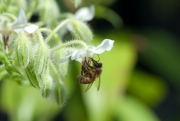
{"x":40,"y":37}
{"x":73,"y":42}
{"x":66,"y":15}
{"x":56,"y":29}
{"x":56,"y":75}
{"x":9,"y":15}
{"x":39,"y":23}
{"x":50,"y":31}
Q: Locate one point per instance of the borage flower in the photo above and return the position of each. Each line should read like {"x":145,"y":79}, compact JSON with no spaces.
{"x":6,"y":28}
{"x":81,"y":54}
{"x":20,"y":24}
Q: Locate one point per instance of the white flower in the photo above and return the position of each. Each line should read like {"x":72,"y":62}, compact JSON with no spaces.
{"x":85,"y":14}
{"x":79,"y":55}
{"x":19,"y":23}
{"x":30,"y":28}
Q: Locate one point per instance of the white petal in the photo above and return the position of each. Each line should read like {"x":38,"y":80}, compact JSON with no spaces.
{"x":106,"y":44}
{"x":74,"y":54}
{"x":65,"y":58}
{"x":80,"y":55}
{"x":18,"y":30}
{"x":20,"y":21}
{"x":31,"y":28}
{"x":85,"y":14}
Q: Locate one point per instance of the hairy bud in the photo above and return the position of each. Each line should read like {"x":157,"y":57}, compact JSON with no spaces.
{"x":47,"y":85}
{"x":41,"y":60}
{"x":60,"y":93}
{"x":81,"y":30}
{"x":33,"y":78}
{"x":23,"y":49}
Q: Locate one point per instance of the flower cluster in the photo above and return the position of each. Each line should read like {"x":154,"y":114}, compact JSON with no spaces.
{"x":42,"y":61}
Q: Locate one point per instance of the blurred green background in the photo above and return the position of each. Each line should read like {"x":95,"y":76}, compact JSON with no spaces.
{"x":141,"y":74}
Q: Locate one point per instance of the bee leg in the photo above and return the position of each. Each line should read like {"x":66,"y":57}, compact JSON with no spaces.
{"x":88,"y":87}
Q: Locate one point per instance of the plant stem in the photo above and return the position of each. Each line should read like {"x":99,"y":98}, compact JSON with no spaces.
{"x":73,"y":42}
{"x":50,"y":31}
{"x":56,"y":29}
{"x":9,"y":15}
{"x":40,"y":37}
{"x":56,"y":75}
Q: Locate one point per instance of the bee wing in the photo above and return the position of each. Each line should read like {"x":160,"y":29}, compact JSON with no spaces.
{"x":88,"y":87}
{"x":99,"y":83}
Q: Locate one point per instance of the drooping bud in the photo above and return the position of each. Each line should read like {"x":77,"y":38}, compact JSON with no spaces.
{"x":41,"y":59}
{"x":33,"y":78}
{"x":47,"y":85}
{"x":60,"y":93}
{"x":49,"y":12}
{"x":23,"y":49}
{"x":81,"y":30}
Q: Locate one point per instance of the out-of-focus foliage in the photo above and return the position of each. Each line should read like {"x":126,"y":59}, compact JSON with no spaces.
{"x":162,"y":53}
{"x":150,"y":89}
{"x":25,"y":103}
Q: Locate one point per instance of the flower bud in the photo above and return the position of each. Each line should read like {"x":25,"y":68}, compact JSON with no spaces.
{"x":47,"y":85}
{"x":49,"y":12}
{"x":23,"y":49}
{"x":41,"y":60}
{"x":81,"y":30}
{"x":33,"y":78}
{"x":60,"y":93}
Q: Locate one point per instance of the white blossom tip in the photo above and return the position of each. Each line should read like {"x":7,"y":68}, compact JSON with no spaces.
{"x":85,"y":13}
{"x":31,"y":28}
{"x":21,"y":19}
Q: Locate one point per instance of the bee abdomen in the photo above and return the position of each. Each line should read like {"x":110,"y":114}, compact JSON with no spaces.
{"x":83,"y":80}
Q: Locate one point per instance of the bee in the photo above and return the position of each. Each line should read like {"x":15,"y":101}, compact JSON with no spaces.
{"x":89,"y":72}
